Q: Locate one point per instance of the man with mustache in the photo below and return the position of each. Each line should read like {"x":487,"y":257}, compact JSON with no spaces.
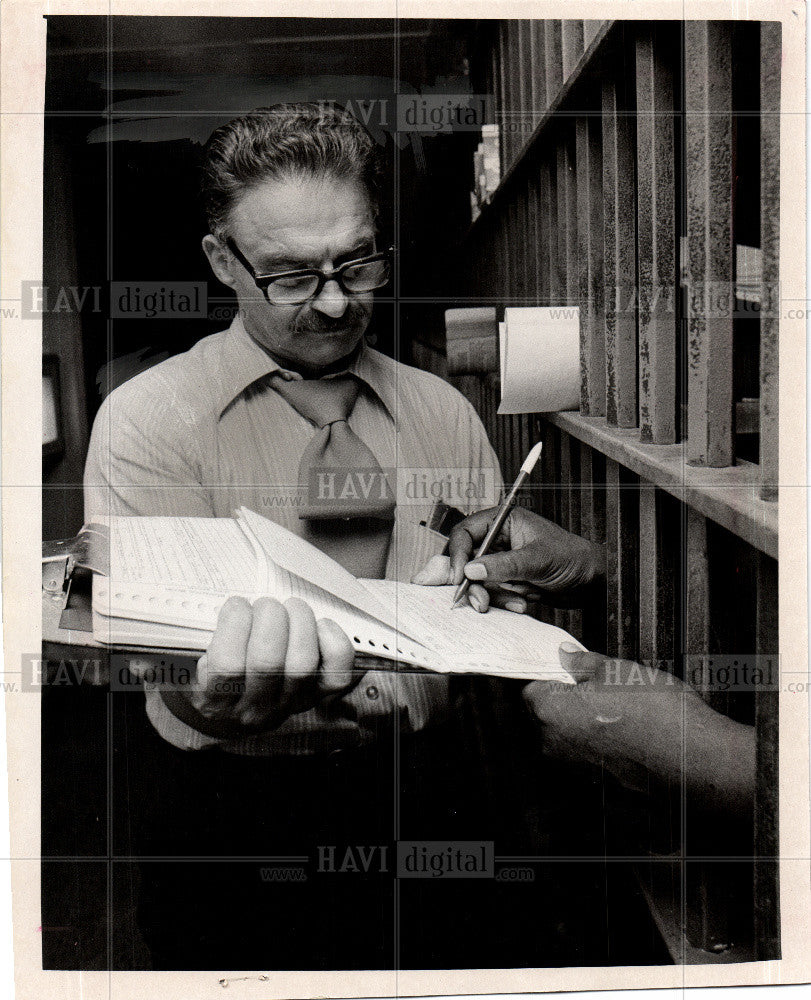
{"x":282,"y":748}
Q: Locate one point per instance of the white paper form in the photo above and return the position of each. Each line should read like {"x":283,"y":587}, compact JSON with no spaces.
{"x":498,"y":643}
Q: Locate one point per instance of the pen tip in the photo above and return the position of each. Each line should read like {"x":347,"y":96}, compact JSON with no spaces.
{"x":532,"y":458}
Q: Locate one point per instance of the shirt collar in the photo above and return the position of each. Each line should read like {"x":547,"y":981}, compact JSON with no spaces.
{"x":244,"y":362}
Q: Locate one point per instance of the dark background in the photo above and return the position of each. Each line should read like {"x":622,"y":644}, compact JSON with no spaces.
{"x":130,"y":102}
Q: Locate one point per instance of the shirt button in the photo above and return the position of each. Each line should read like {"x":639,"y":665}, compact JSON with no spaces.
{"x":372,"y":693}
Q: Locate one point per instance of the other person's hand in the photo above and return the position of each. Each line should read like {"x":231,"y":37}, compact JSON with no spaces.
{"x":641,"y":723}
{"x":266,"y":662}
{"x":532,"y":559}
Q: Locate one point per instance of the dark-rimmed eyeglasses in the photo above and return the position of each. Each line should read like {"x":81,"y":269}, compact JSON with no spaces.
{"x":287,"y":288}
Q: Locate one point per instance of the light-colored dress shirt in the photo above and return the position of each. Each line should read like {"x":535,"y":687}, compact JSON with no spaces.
{"x":204,"y":433}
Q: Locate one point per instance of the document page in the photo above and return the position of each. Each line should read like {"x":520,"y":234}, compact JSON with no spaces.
{"x":498,"y":643}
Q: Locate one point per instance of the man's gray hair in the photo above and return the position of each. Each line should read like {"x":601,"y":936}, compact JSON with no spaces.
{"x":284,"y":140}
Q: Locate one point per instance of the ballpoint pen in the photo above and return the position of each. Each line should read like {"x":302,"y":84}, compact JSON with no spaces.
{"x":501,"y":516}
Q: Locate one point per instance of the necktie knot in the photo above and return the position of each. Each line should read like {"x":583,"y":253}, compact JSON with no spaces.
{"x":338,"y":473}
{"x":322,"y":401}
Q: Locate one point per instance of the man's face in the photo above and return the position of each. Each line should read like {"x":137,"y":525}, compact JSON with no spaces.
{"x":289,"y":223}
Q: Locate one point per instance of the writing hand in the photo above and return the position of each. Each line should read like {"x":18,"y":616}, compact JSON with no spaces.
{"x":533,"y":559}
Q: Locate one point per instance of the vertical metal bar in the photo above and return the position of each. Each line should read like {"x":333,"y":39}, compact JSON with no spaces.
{"x":562,"y":217}
{"x":708,"y":122}
{"x":648,"y":576}
{"x":504,"y":103}
{"x":572,"y":45}
{"x":656,"y":241}
{"x":553,"y":60}
{"x":592,"y":527}
{"x":590,"y":267}
{"x":622,"y":540}
{"x":619,"y":259}
{"x":770,"y":56}
{"x":504,"y":254}
{"x":549,"y":226}
{"x":590,"y":29}
{"x":572,"y":276}
{"x":538,"y":52}
{"x":587,"y":512}
{"x":516,"y":87}
{"x":526,"y":244}
{"x":697,"y":639}
{"x":523,"y":54}
{"x":656,"y":576}
{"x":767,"y":789}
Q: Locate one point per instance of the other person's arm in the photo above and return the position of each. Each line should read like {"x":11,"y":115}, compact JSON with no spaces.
{"x":637,"y":721}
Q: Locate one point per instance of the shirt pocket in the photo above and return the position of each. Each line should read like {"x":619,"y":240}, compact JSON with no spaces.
{"x":412,"y":545}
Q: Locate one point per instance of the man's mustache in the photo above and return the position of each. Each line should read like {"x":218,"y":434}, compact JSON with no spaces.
{"x":352,"y":317}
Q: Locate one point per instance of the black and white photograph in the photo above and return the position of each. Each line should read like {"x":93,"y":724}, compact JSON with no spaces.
{"x":414,"y":474}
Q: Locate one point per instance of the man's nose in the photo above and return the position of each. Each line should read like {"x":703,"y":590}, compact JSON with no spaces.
{"x":331,"y":301}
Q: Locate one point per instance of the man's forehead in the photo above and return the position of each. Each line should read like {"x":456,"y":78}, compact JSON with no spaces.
{"x":302,"y":217}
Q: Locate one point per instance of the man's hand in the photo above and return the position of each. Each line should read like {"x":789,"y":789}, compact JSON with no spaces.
{"x":265,"y":663}
{"x":533,"y":559}
{"x":639,"y":722}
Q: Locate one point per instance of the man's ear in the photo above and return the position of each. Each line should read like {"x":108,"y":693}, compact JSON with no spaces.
{"x":219,"y":260}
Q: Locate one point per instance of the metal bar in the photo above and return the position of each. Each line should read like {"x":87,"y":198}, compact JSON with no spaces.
{"x":563,"y":231}
{"x":590,"y":266}
{"x":538,"y":53}
{"x":572,"y":275}
{"x":533,"y":246}
{"x":571,"y":44}
{"x":619,"y":260}
{"x":522,"y":46}
{"x":767,"y":788}
{"x":621,"y":527}
{"x":553,"y":60}
{"x":728,"y":496}
{"x":770,"y":61}
{"x":656,"y":241}
{"x":590,"y":29}
{"x":708,"y":123}
{"x":504,"y":104}
{"x":549,"y":225}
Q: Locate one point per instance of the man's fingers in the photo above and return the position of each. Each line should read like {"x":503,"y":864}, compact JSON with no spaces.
{"x":303,"y":654}
{"x":435,"y":573}
{"x":337,"y":658}
{"x":221,"y":670}
{"x":264,"y":660}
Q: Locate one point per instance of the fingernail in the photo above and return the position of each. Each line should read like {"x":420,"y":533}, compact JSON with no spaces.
{"x":476,"y":571}
{"x":517,"y":606}
{"x":568,"y":647}
{"x":475,"y":603}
